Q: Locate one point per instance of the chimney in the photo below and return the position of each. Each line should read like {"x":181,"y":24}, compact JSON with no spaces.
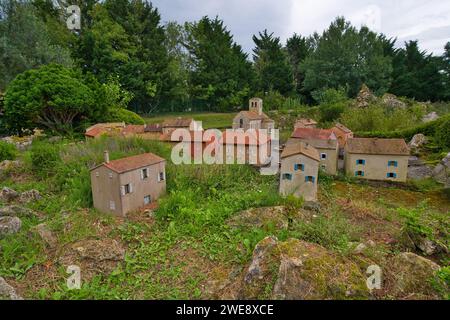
{"x":106,"y":156}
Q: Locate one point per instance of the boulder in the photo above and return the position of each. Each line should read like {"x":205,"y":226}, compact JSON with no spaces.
{"x":16,"y":211}
{"x":391,"y":101}
{"x":8,"y":194}
{"x":295,"y":269}
{"x":46,"y":235}
{"x":365,"y":97}
{"x":411,"y":276}
{"x":425,"y":245}
{"x":7,"y":291}
{"x":441,"y":172}
{"x":9,"y":225}
{"x":418,"y":141}
{"x":6,"y":165}
{"x":29,"y":196}
{"x":312,"y":206}
{"x":430,"y":117}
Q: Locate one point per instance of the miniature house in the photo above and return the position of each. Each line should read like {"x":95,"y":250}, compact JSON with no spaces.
{"x":127,"y":184}
{"x":254,"y":118}
{"x":377,"y":159}
{"x":299,"y":171}
{"x":325,"y":141}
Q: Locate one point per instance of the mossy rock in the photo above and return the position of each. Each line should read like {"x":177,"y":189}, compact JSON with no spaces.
{"x":299,"y":270}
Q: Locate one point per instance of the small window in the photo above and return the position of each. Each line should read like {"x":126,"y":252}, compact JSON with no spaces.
{"x":323,"y":156}
{"x":361,"y":162}
{"x":287,"y":176}
{"x":126,"y":189}
{"x":97,"y":174}
{"x":162,"y":176}
{"x":110,"y":175}
{"x":310,"y":179}
{"x":147,"y":200}
{"x":299,"y":166}
{"x":144,"y":173}
{"x":391,"y":175}
{"x":241,"y":123}
{"x":112,"y":205}
{"x":359,"y":173}
{"x":392,"y":163}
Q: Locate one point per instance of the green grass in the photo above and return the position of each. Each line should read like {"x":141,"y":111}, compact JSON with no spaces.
{"x":209,"y":120}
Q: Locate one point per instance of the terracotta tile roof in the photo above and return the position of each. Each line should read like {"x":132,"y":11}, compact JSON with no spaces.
{"x":300,"y":148}
{"x":133,"y":162}
{"x":155,"y":127}
{"x":194,"y":136}
{"x":377,"y":146}
{"x":95,"y":132}
{"x":305,"y":122}
{"x":343,"y":128}
{"x":133,"y":129}
{"x":239,"y":137}
{"x":313,"y":133}
{"x":177,"y":122}
{"x":254,"y":116}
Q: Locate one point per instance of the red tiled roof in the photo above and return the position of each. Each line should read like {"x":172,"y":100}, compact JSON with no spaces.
{"x":133,"y":162}
{"x":306,"y":121}
{"x":94,"y":132}
{"x":133,"y":129}
{"x":313,"y":133}
{"x":251,"y":115}
{"x":239,"y":137}
{"x":155,"y":127}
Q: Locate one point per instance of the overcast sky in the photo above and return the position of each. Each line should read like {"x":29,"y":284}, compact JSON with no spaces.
{"x":425,"y":20}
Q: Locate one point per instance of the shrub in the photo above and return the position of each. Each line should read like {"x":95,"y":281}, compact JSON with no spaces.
{"x":7,"y":151}
{"x":127,"y":116}
{"x":45,"y":158}
{"x":442,"y":133}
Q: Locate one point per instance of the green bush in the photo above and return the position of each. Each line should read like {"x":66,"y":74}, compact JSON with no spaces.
{"x":45,"y":159}
{"x":442,"y":133}
{"x":7,"y":151}
{"x":127,"y":116}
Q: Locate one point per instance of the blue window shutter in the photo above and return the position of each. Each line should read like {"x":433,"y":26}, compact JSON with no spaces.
{"x":395,"y":163}
{"x":395,"y":175}
{"x":357,"y":162}
{"x":362,"y":173}
{"x":295,"y":167}
{"x":356,"y":173}
{"x":302,"y":167}
{"x":364,"y":162}
{"x":313,"y":179}
{"x":387,"y":175}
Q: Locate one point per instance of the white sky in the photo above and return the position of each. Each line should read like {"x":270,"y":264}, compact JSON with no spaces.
{"x":425,"y":20}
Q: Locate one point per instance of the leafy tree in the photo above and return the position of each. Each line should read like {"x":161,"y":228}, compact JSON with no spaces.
{"x":25,"y":42}
{"x":298,"y":48}
{"x":332,"y":104}
{"x":346,"y":57}
{"x":271,"y":64}
{"x":417,"y":74}
{"x":221,"y":76}
{"x":51,"y":97}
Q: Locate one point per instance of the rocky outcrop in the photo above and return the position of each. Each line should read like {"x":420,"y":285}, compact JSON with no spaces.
{"x":441,"y":172}
{"x":430,"y":117}
{"x":418,"y":141}
{"x":365,"y":97}
{"x":46,"y":235}
{"x":7,"y":292}
{"x":422,"y":244}
{"x":24,"y":142}
{"x":296,"y":269}
{"x":417,"y":169}
{"x":30,"y":196}
{"x":391,"y":101}
{"x":412,"y":276}
{"x":8,"y":194}
{"x":16,"y":211}
{"x":9,"y":225}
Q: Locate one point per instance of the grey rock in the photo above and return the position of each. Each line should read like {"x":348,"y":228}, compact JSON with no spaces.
{"x":46,"y":235}
{"x":418,"y":141}
{"x":8,"y":194}
{"x":441,"y":172}
{"x":30,"y":196}
{"x":7,"y":291}
{"x":16,"y":211}
{"x":9,"y":225}
{"x":430,"y":117}
{"x":360,"y":248}
{"x":392,"y":101}
{"x":312,"y":206}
